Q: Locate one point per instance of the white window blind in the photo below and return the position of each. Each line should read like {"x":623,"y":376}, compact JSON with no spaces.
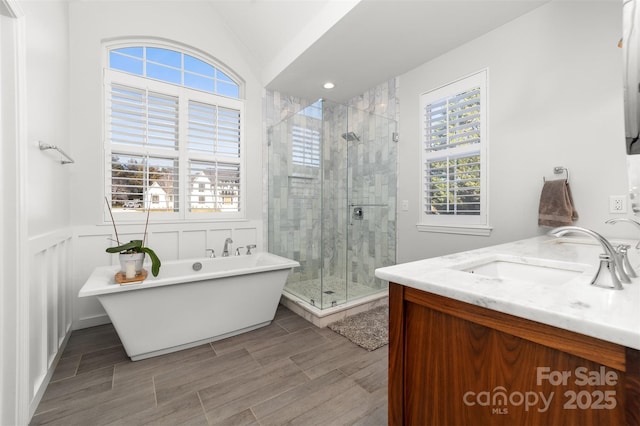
{"x":453,"y":157}
{"x":214,"y":130}
{"x":214,"y":150}
{"x":305,"y":146}
{"x":143,"y":123}
{"x":142,"y":118}
{"x":452,"y":148}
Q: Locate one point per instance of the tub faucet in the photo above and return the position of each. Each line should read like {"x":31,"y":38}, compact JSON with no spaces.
{"x":608,"y":260}
{"x":624,"y":219}
{"x":238,"y":250}
{"x":225,"y":251}
{"x":213,"y":253}
{"x":249,"y":247}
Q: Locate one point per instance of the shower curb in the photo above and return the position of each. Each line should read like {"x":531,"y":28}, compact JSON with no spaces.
{"x":322,"y":317}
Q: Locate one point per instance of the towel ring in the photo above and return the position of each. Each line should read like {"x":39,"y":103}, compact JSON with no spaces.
{"x":558,"y":170}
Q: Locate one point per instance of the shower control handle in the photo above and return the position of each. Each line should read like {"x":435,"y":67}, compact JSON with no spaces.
{"x":358,"y":213}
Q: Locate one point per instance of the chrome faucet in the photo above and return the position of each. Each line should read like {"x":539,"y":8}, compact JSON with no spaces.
{"x":624,"y":219}
{"x":608,"y":260}
{"x":249,"y":247}
{"x":225,"y":251}
{"x":238,"y":250}
{"x":213,"y":253}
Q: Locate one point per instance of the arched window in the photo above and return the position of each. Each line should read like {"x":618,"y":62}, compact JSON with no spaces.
{"x":173,"y":122}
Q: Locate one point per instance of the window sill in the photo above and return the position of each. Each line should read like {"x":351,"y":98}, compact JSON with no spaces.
{"x":477,"y":230}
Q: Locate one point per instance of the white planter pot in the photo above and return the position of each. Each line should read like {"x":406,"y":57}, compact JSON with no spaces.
{"x":138,"y":258}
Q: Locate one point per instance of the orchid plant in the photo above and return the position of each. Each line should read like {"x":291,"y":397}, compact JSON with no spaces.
{"x":135,"y":246}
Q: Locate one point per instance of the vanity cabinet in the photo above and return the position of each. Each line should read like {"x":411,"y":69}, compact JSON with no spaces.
{"x":455,"y":363}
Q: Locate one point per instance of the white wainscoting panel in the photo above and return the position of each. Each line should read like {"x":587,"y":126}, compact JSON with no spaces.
{"x":194,"y":243}
{"x":166,"y":244}
{"x":50,"y":307}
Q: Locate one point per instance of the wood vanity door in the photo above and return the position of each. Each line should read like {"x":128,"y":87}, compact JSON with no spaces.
{"x":449,"y":365}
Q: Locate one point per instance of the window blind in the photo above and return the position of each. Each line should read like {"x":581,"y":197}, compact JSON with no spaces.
{"x":139,"y":117}
{"x":452,"y":155}
{"x":141,"y":121}
{"x":305,"y":146}
{"x":214,"y":130}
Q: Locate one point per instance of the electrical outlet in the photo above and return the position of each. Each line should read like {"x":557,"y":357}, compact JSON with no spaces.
{"x":617,"y":204}
{"x":405,"y":205}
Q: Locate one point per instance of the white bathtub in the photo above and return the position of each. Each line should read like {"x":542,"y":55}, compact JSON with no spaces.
{"x":182,"y":307}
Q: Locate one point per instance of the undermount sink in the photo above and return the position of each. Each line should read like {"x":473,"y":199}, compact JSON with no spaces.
{"x":505,"y":267}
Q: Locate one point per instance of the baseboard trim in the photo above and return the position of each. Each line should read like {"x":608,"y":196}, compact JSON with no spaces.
{"x":33,"y":406}
{"x":91,"y":321}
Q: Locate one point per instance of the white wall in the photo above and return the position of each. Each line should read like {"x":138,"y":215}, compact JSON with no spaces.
{"x":48,"y":115}
{"x":197,"y":25}
{"x":555,"y":99}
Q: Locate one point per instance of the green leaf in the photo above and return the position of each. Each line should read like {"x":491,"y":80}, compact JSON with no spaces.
{"x":155,"y":260}
{"x":134,"y":245}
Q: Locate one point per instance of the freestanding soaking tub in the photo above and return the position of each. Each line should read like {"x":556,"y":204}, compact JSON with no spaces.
{"x":191,"y":301}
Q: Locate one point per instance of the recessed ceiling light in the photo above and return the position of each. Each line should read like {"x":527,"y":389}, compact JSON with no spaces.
{"x":329,"y":85}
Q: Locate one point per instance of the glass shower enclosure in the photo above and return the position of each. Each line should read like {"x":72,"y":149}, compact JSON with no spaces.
{"x":332,"y":201}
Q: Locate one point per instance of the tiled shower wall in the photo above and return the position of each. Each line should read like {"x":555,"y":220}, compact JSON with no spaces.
{"x":294,"y":202}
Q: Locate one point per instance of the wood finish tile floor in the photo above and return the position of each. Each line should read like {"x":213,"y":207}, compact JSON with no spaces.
{"x":289,"y":372}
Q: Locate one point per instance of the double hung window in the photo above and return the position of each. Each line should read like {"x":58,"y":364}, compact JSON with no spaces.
{"x":174,"y":140}
{"x":454,"y":172}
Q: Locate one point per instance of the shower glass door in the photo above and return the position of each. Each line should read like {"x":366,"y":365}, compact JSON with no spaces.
{"x":371,"y":199}
{"x":332,"y":201}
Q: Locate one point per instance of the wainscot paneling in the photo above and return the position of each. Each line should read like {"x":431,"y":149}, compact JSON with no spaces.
{"x":194,"y":243}
{"x":50,"y":307}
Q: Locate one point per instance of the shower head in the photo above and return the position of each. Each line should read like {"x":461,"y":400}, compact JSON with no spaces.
{"x":350,"y":137}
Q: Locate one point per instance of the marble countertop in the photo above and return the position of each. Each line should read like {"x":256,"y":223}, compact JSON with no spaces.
{"x":575,"y":305}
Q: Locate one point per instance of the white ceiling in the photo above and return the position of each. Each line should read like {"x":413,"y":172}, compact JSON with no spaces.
{"x":297,"y":45}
